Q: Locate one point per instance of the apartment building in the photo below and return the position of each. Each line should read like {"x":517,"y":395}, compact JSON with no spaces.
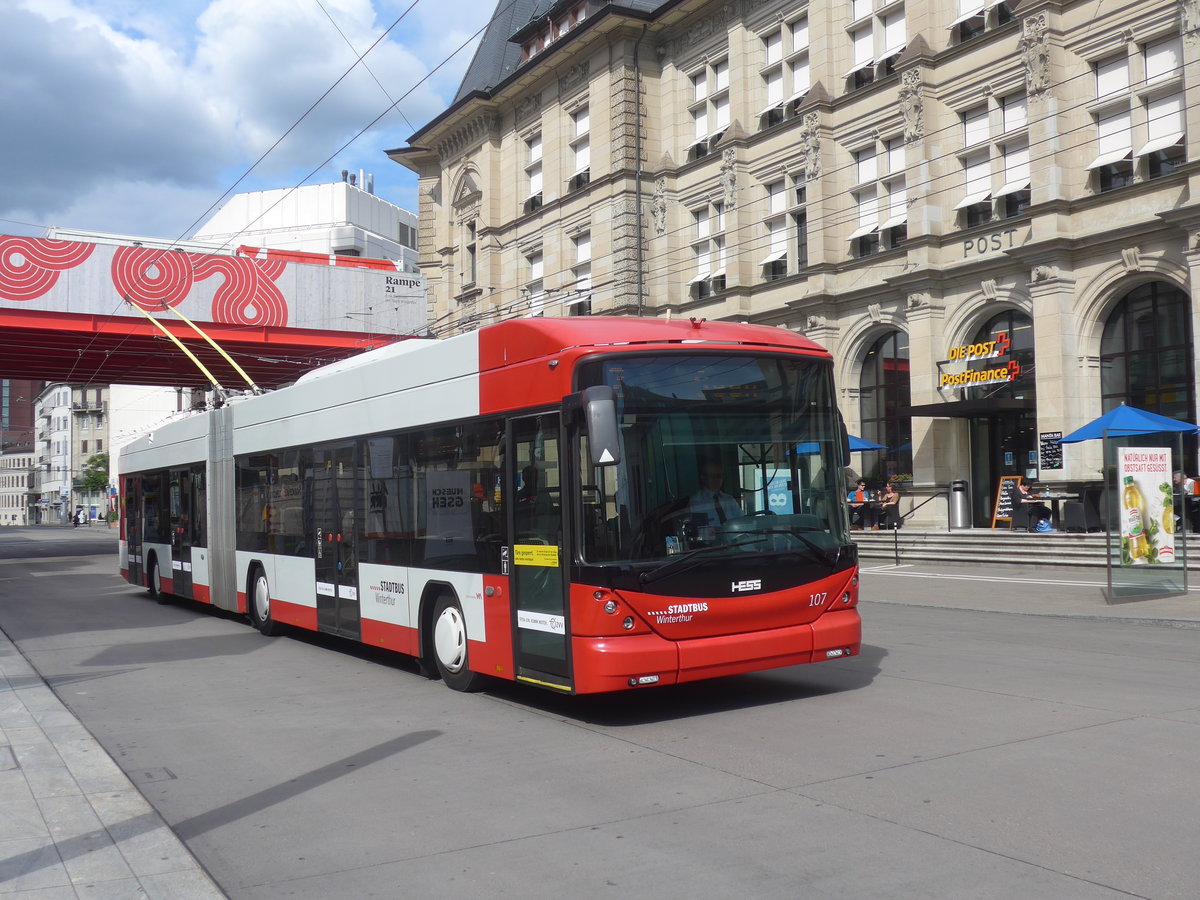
{"x":74,"y":424}
{"x":982,"y":208}
{"x":53,"y":464}
{"x":16,"y":468}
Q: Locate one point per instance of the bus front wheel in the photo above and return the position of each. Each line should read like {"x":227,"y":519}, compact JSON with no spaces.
{"x":450,"y":646}
{"x":260,"y":604}
{"x":154,"y":582}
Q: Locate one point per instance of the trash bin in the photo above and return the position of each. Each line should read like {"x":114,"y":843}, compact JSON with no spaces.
{"x":960,"y":505}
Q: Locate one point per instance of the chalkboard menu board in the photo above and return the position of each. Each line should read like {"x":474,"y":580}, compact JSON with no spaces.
{"x":1005,"y":488}
{"x":1051,"y":450}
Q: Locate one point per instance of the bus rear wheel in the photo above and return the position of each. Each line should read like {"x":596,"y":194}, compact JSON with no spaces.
{"x":260,"y":604}
{"x":450,"y":646}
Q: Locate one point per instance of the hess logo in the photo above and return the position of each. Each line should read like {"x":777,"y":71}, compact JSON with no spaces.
{"x":754,"y":584}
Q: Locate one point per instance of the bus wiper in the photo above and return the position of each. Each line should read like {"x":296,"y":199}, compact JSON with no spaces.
{"x":677,"y":565}
{"x":818,"y":551}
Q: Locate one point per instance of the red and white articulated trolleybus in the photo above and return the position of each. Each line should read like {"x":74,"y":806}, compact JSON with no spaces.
{"x":584,"y":504}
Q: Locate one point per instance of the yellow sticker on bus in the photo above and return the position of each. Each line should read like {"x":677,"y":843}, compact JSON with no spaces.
{"x":545,"y":555}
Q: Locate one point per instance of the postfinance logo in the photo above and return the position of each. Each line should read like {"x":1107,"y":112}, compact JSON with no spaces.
{"x":997,"y":375}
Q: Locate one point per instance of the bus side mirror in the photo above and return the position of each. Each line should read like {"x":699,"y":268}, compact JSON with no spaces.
{"x":843,"y":441}
{"x":600,"y":414}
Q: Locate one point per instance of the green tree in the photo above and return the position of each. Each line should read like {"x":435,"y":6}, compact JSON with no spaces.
{"x":94,"y":478}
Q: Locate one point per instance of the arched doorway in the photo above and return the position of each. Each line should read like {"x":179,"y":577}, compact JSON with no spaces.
{"x":884,"y":400}
{"x":1146,"y":357}
{"x":1003,"y":430}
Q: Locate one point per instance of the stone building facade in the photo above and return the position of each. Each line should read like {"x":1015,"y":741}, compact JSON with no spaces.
{"x":982,"y":208}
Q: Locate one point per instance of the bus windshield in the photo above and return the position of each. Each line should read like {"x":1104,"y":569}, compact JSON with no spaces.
{"x":720,"y":454}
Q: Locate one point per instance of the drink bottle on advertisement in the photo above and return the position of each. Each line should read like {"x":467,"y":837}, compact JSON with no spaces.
{"x":1134,"y":529}
{"x":1165,"y":542}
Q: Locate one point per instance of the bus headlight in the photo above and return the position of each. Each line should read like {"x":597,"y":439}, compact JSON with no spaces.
{"x":610,"y":607}
{"x":628,"y":623}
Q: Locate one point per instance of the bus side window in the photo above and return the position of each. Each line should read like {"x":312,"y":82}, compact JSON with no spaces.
{"x":199,"y":507}
{"x":385,"y":501}
{"x":254,"y":474}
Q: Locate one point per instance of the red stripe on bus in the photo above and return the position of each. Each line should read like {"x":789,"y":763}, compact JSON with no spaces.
{"x":397,"y":638}
{"x":294,"y":614}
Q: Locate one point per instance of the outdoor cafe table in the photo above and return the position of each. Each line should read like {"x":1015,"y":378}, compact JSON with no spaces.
{"x":1055,"y":499}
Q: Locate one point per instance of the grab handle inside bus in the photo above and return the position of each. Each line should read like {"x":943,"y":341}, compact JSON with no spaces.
{"x":600,"y":413}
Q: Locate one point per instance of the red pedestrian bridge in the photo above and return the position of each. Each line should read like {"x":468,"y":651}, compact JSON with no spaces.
{"x":81,"y":312}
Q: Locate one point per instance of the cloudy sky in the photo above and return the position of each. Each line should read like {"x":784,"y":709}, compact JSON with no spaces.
{"x":136,"y":116}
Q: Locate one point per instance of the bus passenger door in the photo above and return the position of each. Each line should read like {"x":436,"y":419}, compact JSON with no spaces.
{"x":537,"y":574}
{"x":181,"y":533}
{"x":131,"y":509}
{"x":334,"y":486}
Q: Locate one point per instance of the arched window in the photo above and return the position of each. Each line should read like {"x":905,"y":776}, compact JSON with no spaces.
{"x":1146,"y":357}
{"x":883,"y":393}
{"x":1146,"y":353}
{"x":1012,"y":331}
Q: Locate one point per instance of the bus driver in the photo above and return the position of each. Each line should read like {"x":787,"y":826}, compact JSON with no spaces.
{"x":711,"y":501}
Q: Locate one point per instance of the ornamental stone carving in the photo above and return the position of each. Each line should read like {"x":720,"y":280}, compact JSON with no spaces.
{"x":917,"y":300}
{"x":1189,"y":20}
{"x":1044,"y":273}
{"x":469,"y":135}
{"x":527,"y":106}
{"x":1034,"y":47}
{"x":658,"y":206}
{"x":700,"y":30}
{"x":911,"y":106}
{"x":572,"y":78}
{"x":729,"y":177}
{"x":810,"y":146}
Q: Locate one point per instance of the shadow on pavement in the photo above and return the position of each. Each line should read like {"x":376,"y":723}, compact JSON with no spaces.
{"x":81,"y":845}
{"x":701,"y":698}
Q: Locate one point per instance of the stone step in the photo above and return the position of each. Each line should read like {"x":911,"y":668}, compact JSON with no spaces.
{"x":970,"y":546}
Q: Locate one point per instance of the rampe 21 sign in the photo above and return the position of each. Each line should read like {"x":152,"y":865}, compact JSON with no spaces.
{"x":981,"y":375}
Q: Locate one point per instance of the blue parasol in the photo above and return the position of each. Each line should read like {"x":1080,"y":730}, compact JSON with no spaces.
{"x":1124,"y":420}
{"x":857,"y":444}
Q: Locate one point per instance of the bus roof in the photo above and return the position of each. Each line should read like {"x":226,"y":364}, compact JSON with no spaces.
{"x":517,"y":340}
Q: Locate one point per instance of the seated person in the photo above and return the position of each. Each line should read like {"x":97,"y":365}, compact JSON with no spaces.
{"x":862,"y":510}
{"x":1034,"y":508}
{"x":1187,"y":503}
{"x":711,"y":501}
{"x":889,"y":507}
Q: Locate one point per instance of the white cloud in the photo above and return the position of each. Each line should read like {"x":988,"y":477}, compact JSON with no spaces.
{"x":84,"y":104}
{"x":125,"y":111}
